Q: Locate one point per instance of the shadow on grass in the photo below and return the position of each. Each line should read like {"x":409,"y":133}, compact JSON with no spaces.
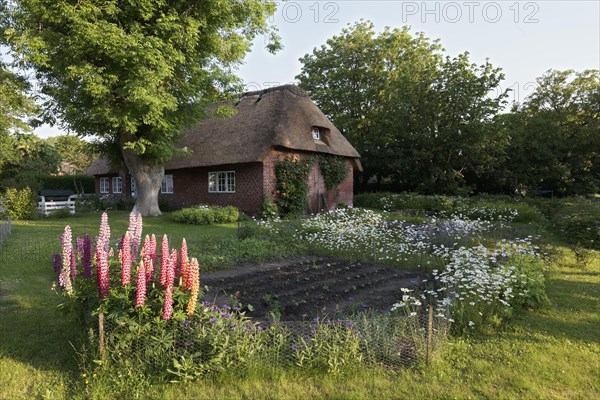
{"x":574,"y":312}
{"x":38,"y":336}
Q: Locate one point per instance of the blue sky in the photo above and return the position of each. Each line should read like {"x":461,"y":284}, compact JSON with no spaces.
{"x":524,"y":38}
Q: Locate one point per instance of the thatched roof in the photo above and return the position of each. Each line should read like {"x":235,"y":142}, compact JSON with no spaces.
{"x":281,"y":117}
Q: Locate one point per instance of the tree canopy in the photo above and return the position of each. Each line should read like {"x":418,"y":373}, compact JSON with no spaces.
{"x":134,"y":73}
{"x":554,"y":136}
{"x":415,"y":114}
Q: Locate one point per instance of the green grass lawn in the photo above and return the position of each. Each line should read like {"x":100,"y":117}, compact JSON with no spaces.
{"x":551,"y":353}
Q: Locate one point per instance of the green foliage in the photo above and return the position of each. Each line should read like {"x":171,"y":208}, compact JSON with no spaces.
{"x":16,"y":105}
{"x":292,"y":185}
{"x":77,"y":153}
{"x":269,"y":208}
{"x":34,"y":155}
{"x":207,"y":215}
{"x":333,"y":347}
{"x":419,"y":118}
{"x":19,"y":204}
{"x":133,"y":74}
{"x":578,"y":223}
{"x":333,"y":169}
{"x":94,"y":202}
{"x":60,"y":213}
{"x":554,"y":141}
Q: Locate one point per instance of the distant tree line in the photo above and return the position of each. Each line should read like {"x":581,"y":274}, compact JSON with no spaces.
{"x":427,"y":122}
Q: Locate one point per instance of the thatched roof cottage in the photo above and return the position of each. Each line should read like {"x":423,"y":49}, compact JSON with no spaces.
{"x":232,"y":159}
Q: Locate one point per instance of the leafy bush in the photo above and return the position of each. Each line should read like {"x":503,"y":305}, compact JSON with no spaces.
{"x":292,"y":186}
{"x":579,"y":224}
{"x":207,"y":215}
{"x":60,"y":213}
{"x":37,"y":181}
{"x":19,"y":204}
{"x":333,"y":169}
{"x":269,"y":209}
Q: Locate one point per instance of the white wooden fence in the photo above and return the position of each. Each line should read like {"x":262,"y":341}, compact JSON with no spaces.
{"x":45,"y":207}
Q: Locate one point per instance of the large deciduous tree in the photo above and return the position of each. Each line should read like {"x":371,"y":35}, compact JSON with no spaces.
{"x":414,"y":114}
{"x":555,"y":135}
{"x":133,"y":73}
{"x":16,"y":106}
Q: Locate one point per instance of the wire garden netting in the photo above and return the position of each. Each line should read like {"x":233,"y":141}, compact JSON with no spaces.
{"x":233,"y":343}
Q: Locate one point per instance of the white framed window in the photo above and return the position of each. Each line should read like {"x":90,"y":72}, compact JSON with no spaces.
{"x":133,"y":187}
{"x":104,"y":185}
{"x":316,"y":133}
{"x":167,"y":184}
{"x":221,"y":182}
{"x":117,"y":184}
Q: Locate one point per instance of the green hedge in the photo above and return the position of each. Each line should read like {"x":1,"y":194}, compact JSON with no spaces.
{"x":207,"y":215}
{"x":36,"y":181}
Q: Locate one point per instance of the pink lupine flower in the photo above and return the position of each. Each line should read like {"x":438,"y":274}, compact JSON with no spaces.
{"x":194,"y":274}
{"x":184,"y":260}
{"x":73,"y":265}
{"x":168,"y":304}
{"x":137,"y":237}
{"x":172,"y":269}
{"x":153,"y":249}
{"x":102,"y":271}
{"x":147,"y":258}
{"x":140,"y":286}
{"x":87,"y":257}
{"x":67,"y":248}
{"x":189,"y":282}
{"x":164,"y":260}
{"x":126,"y":260}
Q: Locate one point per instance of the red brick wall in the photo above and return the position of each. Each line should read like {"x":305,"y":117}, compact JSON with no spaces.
{"x":342,"y":194}
{"x":190,"y":187}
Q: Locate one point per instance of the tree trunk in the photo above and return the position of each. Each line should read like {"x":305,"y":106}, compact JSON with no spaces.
{"x":148,"y":179}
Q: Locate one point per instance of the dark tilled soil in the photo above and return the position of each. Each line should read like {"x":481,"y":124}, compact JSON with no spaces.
{"x":305,"y":288}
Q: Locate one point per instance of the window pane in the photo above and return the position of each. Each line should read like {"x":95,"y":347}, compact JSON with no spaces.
{"x":212,"y":182}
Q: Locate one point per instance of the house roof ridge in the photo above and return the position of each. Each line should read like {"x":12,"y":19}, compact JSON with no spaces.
{"x":290,"y":87}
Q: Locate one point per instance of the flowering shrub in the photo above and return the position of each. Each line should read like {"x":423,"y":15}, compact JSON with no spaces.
{"x":479,"y":288}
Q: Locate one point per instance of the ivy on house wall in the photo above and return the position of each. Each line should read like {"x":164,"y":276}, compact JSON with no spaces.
{"x":333,"y":169}
{"x":292,"y":185}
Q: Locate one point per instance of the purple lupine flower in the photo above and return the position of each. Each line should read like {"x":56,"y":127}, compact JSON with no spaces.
{"x":87,"y":257}
{"x":213,"y":320}
{"x":79,"y":246}
{"x":73,"y":265}
{"x":57,"y":263}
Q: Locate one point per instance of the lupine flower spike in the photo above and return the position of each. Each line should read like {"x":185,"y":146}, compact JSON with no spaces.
{"x":126,"y":260}
{"x":87,"y":256}
{"x":102,"y":271}
{"x":184,"y":260}
{"x":104,"y":234}
{"x":57,"y":264}
{"x":73,"y":265}
{"x":64,"y":278}
{"x":169,"y":278}
{"x":140,"y":287}
{"x":194,"y":273}
{"x":153,"y":248}
{"x":164,"y":260}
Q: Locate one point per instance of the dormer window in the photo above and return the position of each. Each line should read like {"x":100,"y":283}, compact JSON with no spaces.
{"x":316,"y":133}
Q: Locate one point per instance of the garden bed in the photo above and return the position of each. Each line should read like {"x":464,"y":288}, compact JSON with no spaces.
{"x":306,"y":288}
